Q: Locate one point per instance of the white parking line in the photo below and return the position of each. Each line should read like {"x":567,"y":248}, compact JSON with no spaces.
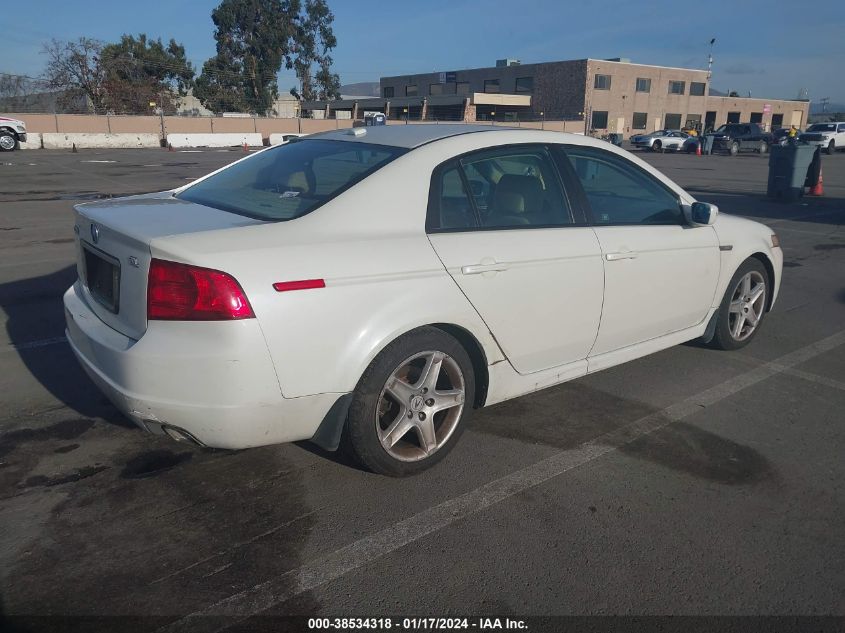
{"x":327,"y":568}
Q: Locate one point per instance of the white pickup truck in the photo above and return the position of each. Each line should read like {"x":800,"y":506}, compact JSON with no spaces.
{"x":12,"y":132}
{"x":829,"y":136}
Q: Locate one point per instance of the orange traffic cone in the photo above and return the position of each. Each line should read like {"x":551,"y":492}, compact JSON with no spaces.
{"x":698,"y":148}
{"x":818,"y":188}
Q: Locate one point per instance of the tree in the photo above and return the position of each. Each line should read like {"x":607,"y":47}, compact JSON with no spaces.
{"x":75,"y":69}
{"x":14,"y":85}
{"x":314,"y":39}
{"x":253,"y":40}
{"x":138,"y":72}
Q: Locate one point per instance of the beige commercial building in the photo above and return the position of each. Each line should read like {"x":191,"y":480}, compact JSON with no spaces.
{"x":605,"y":95}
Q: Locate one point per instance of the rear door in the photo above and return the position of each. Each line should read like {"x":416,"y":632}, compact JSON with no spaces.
{"x":660,"y":273}
{"x":503,"y":226}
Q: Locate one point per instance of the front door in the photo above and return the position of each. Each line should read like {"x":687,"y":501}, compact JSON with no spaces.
{"x":660,"y":273}
{"x":525,"y":260}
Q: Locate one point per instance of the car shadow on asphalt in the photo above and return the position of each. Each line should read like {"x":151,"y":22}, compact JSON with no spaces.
{"x":35,"y":327}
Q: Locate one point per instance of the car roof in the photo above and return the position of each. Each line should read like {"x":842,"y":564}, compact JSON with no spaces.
{"x":407,"y":136}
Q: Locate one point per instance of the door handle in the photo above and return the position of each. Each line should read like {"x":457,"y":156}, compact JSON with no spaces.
{"x":477,"y":269}
{"x":612,"y":257}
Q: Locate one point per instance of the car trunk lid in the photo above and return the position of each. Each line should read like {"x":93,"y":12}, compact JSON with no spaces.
{"x":113,"y":250}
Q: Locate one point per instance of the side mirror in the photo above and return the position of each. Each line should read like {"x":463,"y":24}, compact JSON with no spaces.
{"x":701,"y":213}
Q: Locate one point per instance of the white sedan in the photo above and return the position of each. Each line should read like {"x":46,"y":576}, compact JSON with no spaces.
{"x":370,"y":287}
{"x":661,"y":140}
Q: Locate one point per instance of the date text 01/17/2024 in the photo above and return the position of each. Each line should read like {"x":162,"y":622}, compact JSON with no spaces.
{"x":417,"y":624}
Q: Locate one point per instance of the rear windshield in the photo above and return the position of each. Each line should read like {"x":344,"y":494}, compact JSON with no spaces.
{"x":288,"y":181}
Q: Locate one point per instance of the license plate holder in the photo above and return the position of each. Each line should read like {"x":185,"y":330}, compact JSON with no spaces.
{"x":102,"y":276}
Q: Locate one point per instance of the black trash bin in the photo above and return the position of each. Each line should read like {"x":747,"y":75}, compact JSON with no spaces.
{"x":789,"y":168}
{"x":615,"y":138}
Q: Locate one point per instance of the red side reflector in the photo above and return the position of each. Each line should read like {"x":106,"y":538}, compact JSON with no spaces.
{"x":303,"y":284}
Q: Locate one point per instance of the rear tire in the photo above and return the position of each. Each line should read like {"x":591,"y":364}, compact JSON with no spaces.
{"x":831,"y":148}
{"x":764,"y":147}
{"x":656,"y":146}
{"x":743,"y":307}
{"x":411,"y":404}
{"x":8,"y":142}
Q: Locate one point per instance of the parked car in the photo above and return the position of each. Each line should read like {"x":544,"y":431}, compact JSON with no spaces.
{"x":12,"y":134}
{"x":829,"y":136}
{"x":739,"y":137}
{"x":370,"y":287}
{"x":656,"y":141}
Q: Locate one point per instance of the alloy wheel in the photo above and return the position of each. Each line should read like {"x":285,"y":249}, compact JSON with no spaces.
{"x":420,"y":406}
{"x":748,"y":303}
{"x":7,"y":142}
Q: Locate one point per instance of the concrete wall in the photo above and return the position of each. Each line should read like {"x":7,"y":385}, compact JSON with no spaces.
{"x":33,"y":141}
{"x":60,"y":140}
{"x":219,"y":139}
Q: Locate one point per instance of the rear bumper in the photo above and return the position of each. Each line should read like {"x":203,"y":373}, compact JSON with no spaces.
{"x":214,"y":380}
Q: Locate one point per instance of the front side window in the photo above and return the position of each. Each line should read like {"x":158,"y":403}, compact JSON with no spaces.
{"x":643,"y":84}
{"x":602,"y":82}
{"x":288,"y":181}
{"x":505,"y":188}
{"x":619,"y":192}
{"x":491,"y":85}
{"x":842,"y":127}
{"x":677,"y":87}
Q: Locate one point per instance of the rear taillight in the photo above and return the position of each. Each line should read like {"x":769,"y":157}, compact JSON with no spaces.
{"x":179,"y":292}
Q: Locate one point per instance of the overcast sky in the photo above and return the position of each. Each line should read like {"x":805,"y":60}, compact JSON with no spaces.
{"x":762,"y":47}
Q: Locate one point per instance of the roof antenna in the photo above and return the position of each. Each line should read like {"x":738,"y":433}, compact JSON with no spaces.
{"x":710,"y":59}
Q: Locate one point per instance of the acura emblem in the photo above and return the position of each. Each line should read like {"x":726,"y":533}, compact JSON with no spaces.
{"x":95,"y":233}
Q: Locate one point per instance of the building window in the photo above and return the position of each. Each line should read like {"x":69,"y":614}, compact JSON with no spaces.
{"x":599,"y":120}
{"x":411,"y":91}
{"x":525,"y":84}
{"x":388,"y":92}
{"x":672,"y":121}
{"x":733,"y":117}
{"x":697,"y":88}
{"x":435,"y":89}
{"x":777,"y":120}
{"x":491,"y":85}
{"x":640,"y":120}
{"x":677,"y":87}
{"x":643,"y":84}
{"x":756,"y":117}
{"x":602,"y":82}
{"x":462,"y":88}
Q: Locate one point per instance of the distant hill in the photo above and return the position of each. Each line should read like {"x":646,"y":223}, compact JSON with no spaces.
{"x":361,"y":89}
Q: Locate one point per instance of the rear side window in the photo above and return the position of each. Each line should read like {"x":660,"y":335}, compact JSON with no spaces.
{"x":619,"y":192}
{"x":514,"y":187}
{"x":288,"y":181}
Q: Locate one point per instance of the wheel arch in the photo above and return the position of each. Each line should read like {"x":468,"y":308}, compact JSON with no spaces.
{"x":770,"y":272}
{"x":477,"y":356}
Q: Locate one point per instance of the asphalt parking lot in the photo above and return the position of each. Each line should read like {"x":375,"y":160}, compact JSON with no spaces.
{"x":689,"y":482}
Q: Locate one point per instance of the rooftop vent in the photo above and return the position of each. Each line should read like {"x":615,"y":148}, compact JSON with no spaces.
{"x":501,"y":63}
{"x":623,"y":60}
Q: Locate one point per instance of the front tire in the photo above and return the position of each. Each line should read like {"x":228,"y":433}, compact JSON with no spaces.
{"x":764,"y":147}
{"x":8,"y":142}
{"x":831,"y":148}
{"x":656,"y":146}
{"x":743,"y":307}
{"x":734,"y":149}
{"x":410,"y":406}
